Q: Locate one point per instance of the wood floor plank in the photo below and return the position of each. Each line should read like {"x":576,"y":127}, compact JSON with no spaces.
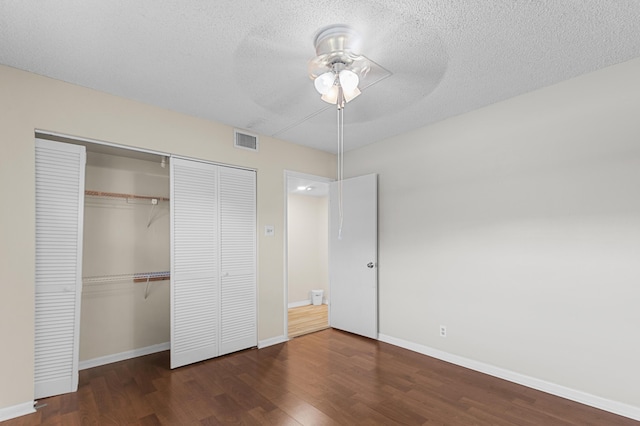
{"x":273,"y":417}
{"x":308,"y":319}
{"x":303,"y":411}
{"x":327,"y":377}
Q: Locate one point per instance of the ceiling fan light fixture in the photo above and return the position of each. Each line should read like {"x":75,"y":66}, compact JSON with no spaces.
{"x":348,"y":80}
{"x":349,"y":96}
{"x":324,"y":82}
{"x":338,"y":67}
{"x":332,"y":95}
{"x":331,"y":83}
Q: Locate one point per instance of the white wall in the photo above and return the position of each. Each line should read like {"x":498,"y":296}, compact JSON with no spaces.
{"x":308,"y":246}
{"x":518,"y":227}
{"x":115,"y":315}
{"x":31,"y":102}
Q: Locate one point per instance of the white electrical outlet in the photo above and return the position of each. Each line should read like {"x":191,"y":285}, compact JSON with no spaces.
{"x":443,"y":331}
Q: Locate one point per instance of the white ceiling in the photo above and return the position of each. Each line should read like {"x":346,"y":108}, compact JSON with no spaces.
{"x":244,"y":63}
{"x":307,"y":186}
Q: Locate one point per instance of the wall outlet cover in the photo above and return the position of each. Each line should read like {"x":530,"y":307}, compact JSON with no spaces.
{"x":443,"y":331}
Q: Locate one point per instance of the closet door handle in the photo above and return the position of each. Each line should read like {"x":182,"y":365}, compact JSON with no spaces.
{"x":370,"y":265}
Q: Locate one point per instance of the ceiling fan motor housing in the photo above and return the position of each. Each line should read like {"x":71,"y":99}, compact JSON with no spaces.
{"x":337,"y":44}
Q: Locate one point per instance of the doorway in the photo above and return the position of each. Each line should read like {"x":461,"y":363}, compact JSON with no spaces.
{"x":126,"y":260}
{"x":307,"y":265}
{"x":125,"y":253}
{"x":92,"y":213}
{"x":130,"y":252}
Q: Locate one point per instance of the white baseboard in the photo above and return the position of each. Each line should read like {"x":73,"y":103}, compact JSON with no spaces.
{"x":304,"y":303}
{"x":299,"y":303}
{"x":108,"y":359}
{"x":14,"y":411}
{"x":615,"y":407}
{"x":272,"y":341}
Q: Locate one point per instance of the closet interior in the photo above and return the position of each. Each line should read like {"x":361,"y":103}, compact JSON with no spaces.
{"x":126,"y":253}
{"x":137,"y":252}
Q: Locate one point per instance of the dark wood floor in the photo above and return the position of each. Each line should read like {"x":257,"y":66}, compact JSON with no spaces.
{"x":328,"y":377}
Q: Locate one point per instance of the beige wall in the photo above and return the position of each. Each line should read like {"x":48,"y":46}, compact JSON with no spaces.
{"x":517,"y":226}
{"x":115,"y":316}
{"x":308,"y":246}
{"x":30,"y":102}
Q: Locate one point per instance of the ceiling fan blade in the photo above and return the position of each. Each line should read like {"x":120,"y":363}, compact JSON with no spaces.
{"x":318,"y":66}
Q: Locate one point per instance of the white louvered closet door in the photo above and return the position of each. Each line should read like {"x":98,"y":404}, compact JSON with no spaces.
{"x":60,"y":171}
{"x":194,"y":262}
{"x":238,"y":329}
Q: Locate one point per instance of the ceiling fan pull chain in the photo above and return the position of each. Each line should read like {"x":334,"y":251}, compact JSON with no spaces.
{"x":340,"y":165}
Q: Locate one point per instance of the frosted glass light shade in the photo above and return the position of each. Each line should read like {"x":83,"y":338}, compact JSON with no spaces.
{"x":348,"y":96}
{"x":324,"y":82}
{"x":332,"y":95}
{"x":348,"y":80}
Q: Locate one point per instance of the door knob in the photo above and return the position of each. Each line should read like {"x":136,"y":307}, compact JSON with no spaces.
{"x":370,"y":265}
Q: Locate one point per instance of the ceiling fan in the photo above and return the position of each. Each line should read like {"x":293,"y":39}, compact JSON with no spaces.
{"x":274,"y":67}
{"x":338,"y":66}
{"x":336,"y":72}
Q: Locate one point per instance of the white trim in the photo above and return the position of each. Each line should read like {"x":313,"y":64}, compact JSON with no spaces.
{"x":285,"y":263}
{"x":323,"y":179}
{"x":615,"y":407}
{"x":98,"y":142}
{"x":134,"y":353}
{"x":14,"y":411}
{"x":45,"y":133}
{"x":299,"y":304}
{"x":272,"y":341}
{"x":305,"y":303}
{"x":214,"y":163}
{"x":285,"y":256}
{"x":79,"y":257}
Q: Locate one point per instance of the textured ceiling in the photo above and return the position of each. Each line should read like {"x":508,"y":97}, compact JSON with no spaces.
{"x":244,"y":63}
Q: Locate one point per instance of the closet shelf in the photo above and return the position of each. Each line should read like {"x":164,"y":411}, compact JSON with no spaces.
{"x":139,"y":277}
{"x":156,"y":278}
{"x":92,"y":193}
{"x":128,"y":197}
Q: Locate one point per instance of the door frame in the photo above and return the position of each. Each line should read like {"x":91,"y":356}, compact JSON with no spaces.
{"x":292,"y":174}
{"x":75,"y":140}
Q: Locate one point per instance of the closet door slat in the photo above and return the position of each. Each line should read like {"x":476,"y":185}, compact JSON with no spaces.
{"x":194,"y":262}
{"x":238,"y":329}
{"x":58,"y":279}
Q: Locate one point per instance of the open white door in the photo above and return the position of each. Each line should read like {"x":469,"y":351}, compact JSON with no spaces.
{"x":60,"y":171}
{"x":353,"y":256}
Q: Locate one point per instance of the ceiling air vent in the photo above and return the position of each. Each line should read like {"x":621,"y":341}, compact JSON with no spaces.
{"x":245,"y":140}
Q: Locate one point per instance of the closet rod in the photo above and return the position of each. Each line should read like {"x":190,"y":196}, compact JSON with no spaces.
{"x":143,"y":277}
{"x":138,"y":277}
{"x":92,"y":193}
